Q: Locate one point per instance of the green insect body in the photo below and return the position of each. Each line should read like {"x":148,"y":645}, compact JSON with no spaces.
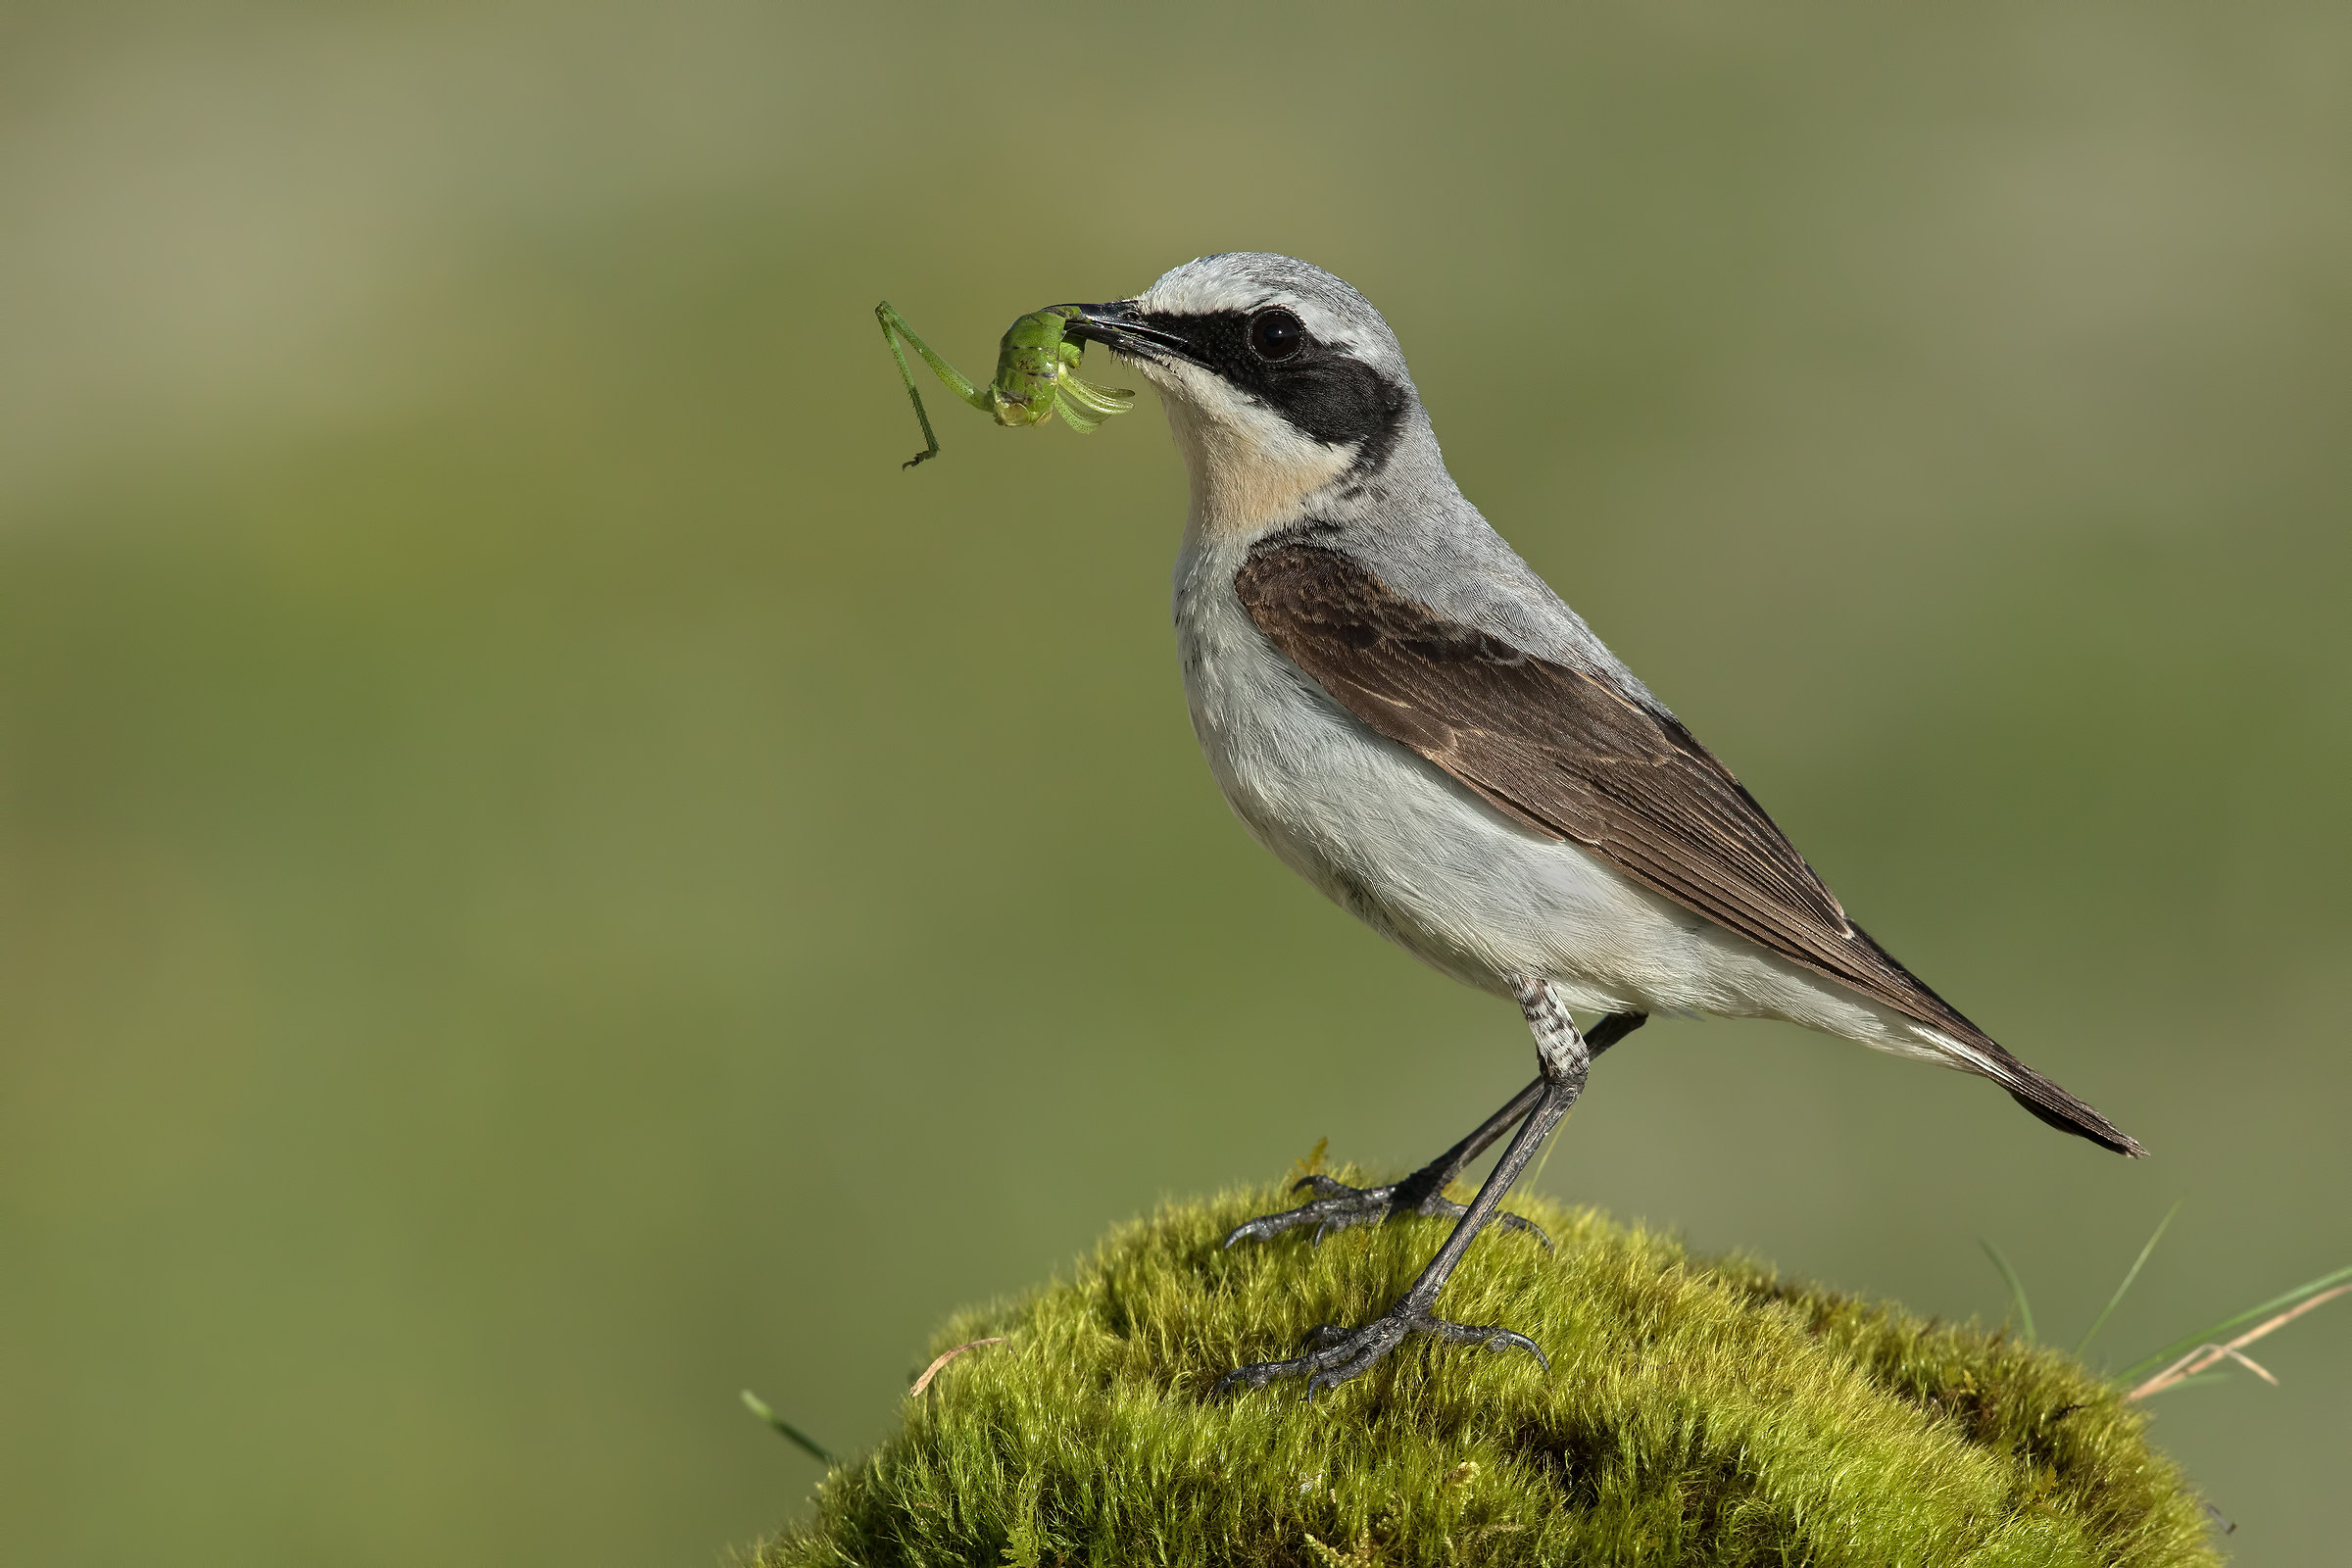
{"x":1037,"y":376}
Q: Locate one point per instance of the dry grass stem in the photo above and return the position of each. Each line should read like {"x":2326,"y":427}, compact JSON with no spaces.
{"x":943,"y":1358}
{"x":2205,"y":1356}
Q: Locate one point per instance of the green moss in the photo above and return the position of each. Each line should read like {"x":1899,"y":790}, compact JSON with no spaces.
{"x":1696,"y":1412}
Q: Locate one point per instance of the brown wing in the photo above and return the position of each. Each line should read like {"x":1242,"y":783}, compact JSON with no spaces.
{"x":1567,"y":755}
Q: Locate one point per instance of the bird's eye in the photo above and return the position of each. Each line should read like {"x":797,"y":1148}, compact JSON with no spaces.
{"x":1276,"y":334}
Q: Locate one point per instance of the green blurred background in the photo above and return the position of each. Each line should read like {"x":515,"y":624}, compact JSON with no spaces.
{"x":544,"y":880}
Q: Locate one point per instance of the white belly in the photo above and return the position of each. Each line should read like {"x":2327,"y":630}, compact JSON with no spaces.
{"x":1397,"y":842}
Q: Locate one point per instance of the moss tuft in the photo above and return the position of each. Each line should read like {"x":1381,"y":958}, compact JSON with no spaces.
{"x":1696,"y":1412}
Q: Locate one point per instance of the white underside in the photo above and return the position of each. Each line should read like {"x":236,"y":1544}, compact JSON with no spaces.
{"x":1400,"y":845}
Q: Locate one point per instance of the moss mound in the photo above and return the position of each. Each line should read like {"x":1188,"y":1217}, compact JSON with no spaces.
{"x":1696,"y":1412}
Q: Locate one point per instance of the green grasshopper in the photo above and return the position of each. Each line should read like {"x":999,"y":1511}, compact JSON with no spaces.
{"x":1037,"y":375}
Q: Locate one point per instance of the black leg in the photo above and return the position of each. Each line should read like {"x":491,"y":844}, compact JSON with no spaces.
{"x":1338,"y":1206}
{"x":1339,"y":1354}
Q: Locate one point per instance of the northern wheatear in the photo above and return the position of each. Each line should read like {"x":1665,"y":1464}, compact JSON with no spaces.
{"x":1395,"y":704}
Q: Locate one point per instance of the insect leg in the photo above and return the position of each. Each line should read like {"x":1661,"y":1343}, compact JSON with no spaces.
{"x":895,"y":327}
{"x":1099,"y":402}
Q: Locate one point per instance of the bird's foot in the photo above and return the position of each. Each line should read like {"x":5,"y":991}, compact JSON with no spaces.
{"x":1338,"y":1206}
{"x":1337,"y":1354}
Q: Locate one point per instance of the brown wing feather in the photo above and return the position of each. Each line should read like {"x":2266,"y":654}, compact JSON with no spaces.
{"x":1565,"y":754}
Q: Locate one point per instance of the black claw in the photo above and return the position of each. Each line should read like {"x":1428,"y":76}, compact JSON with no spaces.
{"x":1256,"y":1374}
{"x":1335,"y":1355}
{"x":1520,"y":1222}
{"x":1490,"y":1339}
{"x":1338,"y":1207}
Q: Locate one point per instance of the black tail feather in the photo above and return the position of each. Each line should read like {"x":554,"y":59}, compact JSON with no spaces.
{"x":2050,"y":1104}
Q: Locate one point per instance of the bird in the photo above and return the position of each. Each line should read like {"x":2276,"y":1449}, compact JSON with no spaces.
{"x":1396,"y":706}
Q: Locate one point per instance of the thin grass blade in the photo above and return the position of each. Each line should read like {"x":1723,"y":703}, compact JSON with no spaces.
{"x":759,"y":1407}
{"x":2138,"y":1263}
{"x":2017,"y":1287}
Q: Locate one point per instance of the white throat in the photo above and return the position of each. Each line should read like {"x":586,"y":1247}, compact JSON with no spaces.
{"x":1251,"y":468}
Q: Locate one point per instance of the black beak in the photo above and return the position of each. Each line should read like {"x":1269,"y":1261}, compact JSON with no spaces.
{"x":1122,"y":327}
